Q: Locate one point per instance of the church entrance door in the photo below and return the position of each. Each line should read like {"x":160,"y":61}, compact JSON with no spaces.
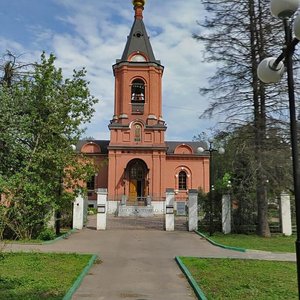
{"x":137,"y":170}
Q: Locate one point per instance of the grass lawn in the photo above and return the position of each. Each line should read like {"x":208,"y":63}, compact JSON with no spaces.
{"x":36,"y":276}
{"x":277,"y":243}
{"x":244,"y":279}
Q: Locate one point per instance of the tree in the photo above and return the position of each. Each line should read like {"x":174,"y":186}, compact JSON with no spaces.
{"x":234,"y":33}
{"x":41,"y":117}
{"x":12,"y":70}
{"x":239,"y":164}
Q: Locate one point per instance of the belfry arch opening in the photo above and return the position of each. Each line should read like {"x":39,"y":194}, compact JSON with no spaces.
{"x":138,"y":91}
{"x":138,"y":96}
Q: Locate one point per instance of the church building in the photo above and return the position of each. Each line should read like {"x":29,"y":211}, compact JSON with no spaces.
{"x":137,"y":165}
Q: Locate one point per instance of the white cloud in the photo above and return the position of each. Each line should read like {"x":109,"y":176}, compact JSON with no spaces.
{"x":96,"y":36}
{"x":11,"y":45}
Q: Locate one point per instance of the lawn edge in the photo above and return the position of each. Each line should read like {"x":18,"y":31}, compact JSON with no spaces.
{"x":79,"y":279}
{"x":64,"y":236}
{"x":199,"y":293}
{"x":220,"y":245}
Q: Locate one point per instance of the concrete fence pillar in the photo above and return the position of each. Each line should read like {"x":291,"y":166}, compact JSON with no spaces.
{"x":51,"y":221}
{"x":169,"y":220}
{"x":285,"y":214}
{"x":148,"y":200}
{"x":193,"y":210}
{"x":123,"y":200}
{"x":226,"y":214}
{"x":78,"y":212}
{"x":101,"y":208}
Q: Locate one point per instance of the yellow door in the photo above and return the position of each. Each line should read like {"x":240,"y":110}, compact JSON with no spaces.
{"x":132,"y":190}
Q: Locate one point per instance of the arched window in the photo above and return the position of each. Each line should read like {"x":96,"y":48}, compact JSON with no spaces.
{"x":138,"y":91}
{"x":137,"y":133}
{"x":137,"y":171}
{"x":91,"y":183}
{"x":182,"y":180}
{"x":138,"y":96}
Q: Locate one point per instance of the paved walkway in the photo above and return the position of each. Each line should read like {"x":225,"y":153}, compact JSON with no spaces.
{"x":139,"y":264}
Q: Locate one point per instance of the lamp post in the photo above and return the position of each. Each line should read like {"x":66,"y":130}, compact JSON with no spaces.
{"x":211,"y":150}
{"x":270,"y":70}
{"x":58,"y":212}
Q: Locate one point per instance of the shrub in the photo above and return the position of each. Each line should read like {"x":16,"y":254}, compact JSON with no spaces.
{"x":92,"y":211}
{"x":47,"y":234}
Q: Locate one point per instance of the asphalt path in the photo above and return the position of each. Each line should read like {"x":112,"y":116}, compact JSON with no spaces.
{"x":139,"y":264}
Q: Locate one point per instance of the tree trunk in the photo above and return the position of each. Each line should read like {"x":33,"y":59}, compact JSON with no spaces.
{"x":257,"y":48}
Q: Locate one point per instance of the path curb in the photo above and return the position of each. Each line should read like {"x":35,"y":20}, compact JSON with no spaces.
{"x":199,"y":293}
{"x":79,"y":279}
{"x":64,"y":236}
{"x":220,"y":245}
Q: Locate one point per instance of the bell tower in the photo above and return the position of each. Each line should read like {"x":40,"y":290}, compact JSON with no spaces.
{"x":137,"y":129}
{"x":138,"y":88}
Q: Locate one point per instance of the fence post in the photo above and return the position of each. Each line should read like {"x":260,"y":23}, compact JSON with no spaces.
{"x":78,"y":212}
{"x":193,"y":210}
{"x":169,"y":219}
{"x":226,"y":214}
{"x":285,"y":214}
{"x":123,"y":200}
{"x":51,"y":222}
{"x":101,"y":208}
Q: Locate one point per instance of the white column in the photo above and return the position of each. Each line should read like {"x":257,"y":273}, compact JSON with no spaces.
{"x":148,"y":201}
{"x":226,"y":214}
{"x":169,"y":221}
{"x":123,"y":200}
{"x":78,"y":212}
{"x":285,"y":214}
{"x":51,"y":222}
{"x":101,"y":208}
{"x":193,"y":210}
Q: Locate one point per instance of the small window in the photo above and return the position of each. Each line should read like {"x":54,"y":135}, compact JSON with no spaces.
{"x":182,"y":180}
{"x":91,"y":184}
{"x":137,"y":133}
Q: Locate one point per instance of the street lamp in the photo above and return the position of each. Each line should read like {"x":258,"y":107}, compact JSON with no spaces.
{"x":270,"y":70}
{"x":211,"y":150}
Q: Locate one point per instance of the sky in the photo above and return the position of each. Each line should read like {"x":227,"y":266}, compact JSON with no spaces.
{"x":93,"y":33}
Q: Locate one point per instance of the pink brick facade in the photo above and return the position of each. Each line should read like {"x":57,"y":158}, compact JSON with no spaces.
{"x":137,"y":162}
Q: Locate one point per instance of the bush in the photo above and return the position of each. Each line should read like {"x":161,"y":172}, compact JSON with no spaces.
{"x":92,"y":211}
{"x":47,"y":235}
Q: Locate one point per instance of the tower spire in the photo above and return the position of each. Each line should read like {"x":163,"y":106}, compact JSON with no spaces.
{"x":138,"y":39}
{"x":138,"y":6}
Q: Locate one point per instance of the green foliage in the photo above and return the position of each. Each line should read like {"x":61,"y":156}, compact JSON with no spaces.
{"x":92,"y":211}
{"x":47,"y":234}
{"x":202,"y":198}
{"x":244,"y":279}
{"x":242,"y":100}
{"x":223,"y":185}
{"x":238,"y":165}
{"x":41,"y":117}
{"x":35,"y":276}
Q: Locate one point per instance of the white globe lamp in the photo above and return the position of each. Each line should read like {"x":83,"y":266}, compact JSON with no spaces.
{"x":284,"y":8}
{"x":266,"y":71}
{"x":297,"y":27}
